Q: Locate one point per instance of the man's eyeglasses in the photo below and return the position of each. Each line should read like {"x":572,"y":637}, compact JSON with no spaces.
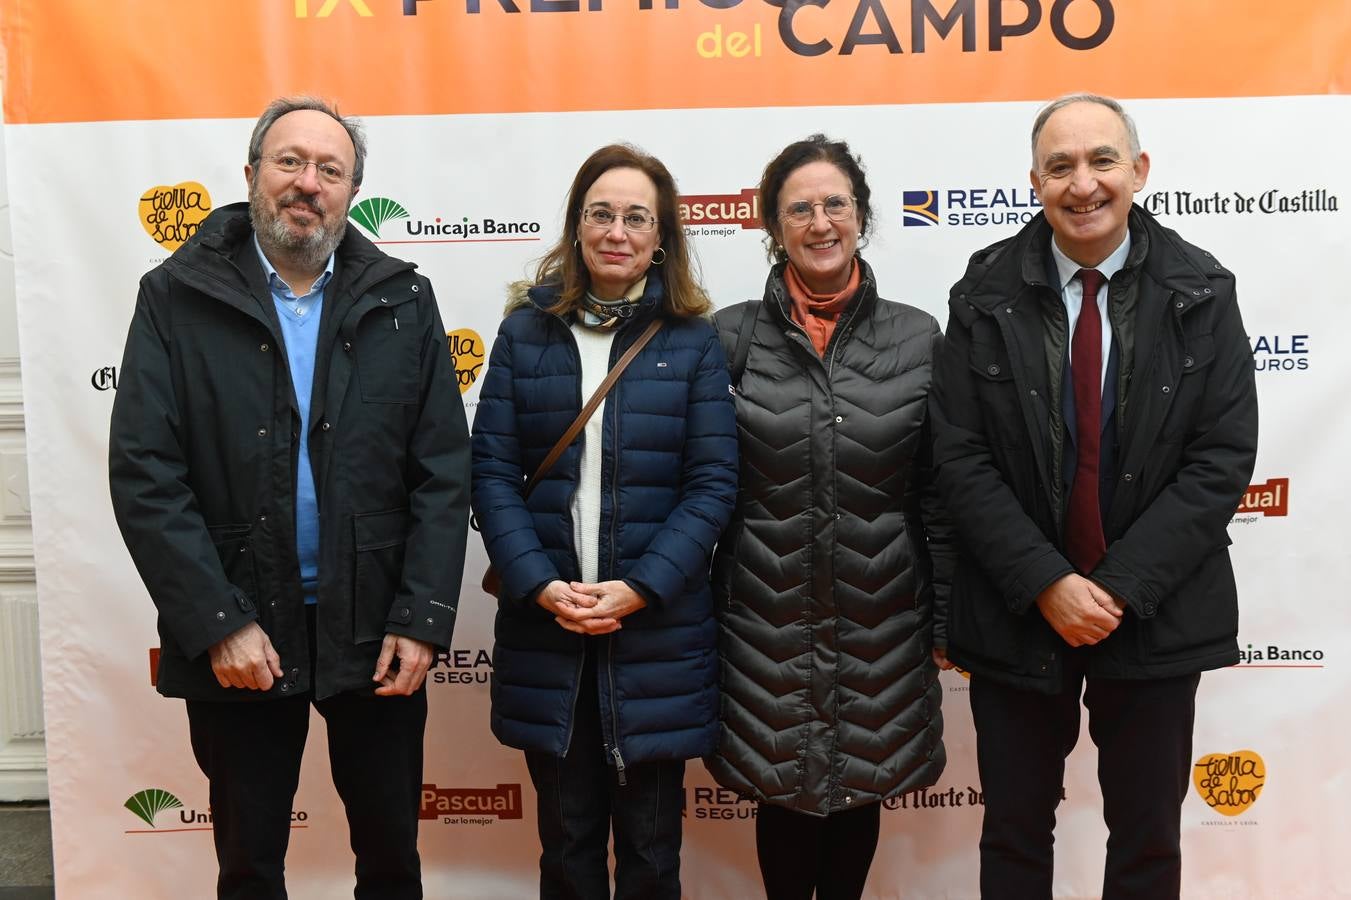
{"x":837,"y":208}
{"x":293,"y":165}
{"x":600,"y":217}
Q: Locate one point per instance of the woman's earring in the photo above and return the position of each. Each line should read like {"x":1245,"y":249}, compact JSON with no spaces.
{"x":662,"y":251}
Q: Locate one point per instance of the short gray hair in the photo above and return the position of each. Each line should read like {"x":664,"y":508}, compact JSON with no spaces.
{"x":1060,"y":103}
{"x":283,"y":105}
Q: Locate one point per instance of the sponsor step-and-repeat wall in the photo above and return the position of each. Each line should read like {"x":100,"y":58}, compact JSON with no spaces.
{"x":127,"y":124}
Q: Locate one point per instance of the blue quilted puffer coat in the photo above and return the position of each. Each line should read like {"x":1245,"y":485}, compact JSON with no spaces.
{"x":668,"y":488}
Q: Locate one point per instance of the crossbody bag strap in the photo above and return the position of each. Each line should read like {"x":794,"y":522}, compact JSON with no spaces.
{"x":592,"y":405}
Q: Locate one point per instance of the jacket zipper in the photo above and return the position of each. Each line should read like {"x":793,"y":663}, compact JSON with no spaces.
{"x":576,"y":479}
{"x":613,"y":402}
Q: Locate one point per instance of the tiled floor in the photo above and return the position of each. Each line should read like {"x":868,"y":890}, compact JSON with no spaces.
{"x":25,"y":852}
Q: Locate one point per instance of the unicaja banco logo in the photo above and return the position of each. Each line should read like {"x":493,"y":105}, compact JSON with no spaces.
{"x":1230,"y":782}
{"x":147,"y":804}
{"x":373,"y":212}
{"x":920,"y":208}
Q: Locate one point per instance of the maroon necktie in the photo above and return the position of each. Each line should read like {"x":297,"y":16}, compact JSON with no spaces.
{"x":1084,"y":541}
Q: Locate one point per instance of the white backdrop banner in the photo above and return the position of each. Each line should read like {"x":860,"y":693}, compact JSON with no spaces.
{"x":127,"y":127}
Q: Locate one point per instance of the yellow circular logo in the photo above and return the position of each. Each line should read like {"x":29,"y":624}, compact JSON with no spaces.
{"x":1230,"y":782}
{"x":467,"y":350}
{"x":171,"y":215}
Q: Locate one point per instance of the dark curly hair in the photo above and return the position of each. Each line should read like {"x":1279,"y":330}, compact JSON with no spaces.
{"x":817,"y":148}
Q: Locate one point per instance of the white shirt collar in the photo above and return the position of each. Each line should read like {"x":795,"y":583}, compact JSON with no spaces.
{"x":1067,"y":268}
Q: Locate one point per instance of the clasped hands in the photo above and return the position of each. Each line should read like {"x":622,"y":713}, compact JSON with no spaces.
{"x":1081,"y":611}
{"x":247,"y":659}
{"x":590,"y":608}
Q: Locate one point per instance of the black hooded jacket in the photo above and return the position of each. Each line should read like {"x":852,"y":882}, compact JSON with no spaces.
{"x":202,"y":463}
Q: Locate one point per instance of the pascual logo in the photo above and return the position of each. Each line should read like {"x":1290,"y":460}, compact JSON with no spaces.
{"x":1280,"y":352}
{"x":460,"y":667}
{"x":171,"y":215}
{"x":1278,"y":657}
{"x":374,"y":213}
{"x":1229,"y":783}
{"x":1273,"y":201}
{"x":104,"y":379}
{"x":467,"y":350}
{"x":147,"y":805}
{"x":470,"y":806}
{"x":969,"y":206}
{"x":920,"y":208}
{"x":1271,"y":498}
{"x":720,"y":214}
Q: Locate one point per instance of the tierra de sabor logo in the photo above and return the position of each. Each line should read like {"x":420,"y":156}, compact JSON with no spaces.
{"x":467,"y":350}
{"x":171,"y":215}
{"x":1229,"y":783}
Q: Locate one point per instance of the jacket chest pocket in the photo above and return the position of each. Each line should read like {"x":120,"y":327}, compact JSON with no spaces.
{"x":992,"y":378}
{"x":1193,"y":370}
{"x":387,"y":354}
{"x":378,"y":539}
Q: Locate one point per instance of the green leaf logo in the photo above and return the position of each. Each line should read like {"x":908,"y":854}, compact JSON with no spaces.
{"x":146,"y":804}
{"x":373,"y":212}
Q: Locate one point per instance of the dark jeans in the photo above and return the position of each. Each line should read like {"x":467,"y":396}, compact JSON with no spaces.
{"x":1143,"y":732}
{"x":250,"y":753}
{"x":830,"y":855}
{"x":580,"y":799}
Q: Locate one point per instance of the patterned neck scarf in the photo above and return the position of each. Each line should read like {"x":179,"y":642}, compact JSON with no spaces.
{"x":594,"y":313}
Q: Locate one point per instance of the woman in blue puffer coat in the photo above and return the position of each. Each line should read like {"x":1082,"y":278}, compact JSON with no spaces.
{"x":605,"y":669}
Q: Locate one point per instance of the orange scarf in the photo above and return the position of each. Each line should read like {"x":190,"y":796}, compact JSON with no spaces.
{"x":818,"y":313}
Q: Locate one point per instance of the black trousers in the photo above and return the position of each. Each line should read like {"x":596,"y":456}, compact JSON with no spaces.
{"x":1143,"y":732}
{"x":580,"y":799}
{"x":828,"y":855}
{"x":250,"y":753}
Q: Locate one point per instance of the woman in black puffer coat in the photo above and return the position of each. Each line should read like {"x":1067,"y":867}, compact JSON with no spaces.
{"x":823,"y":582}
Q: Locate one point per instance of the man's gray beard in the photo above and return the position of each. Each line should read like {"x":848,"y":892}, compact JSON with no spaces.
{"x":308,"y":252}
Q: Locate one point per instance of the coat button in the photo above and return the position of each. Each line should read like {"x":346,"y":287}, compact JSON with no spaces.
{"x":1166,"y":389}
{"x":993,"y":370}
{"x":262,"y":432}
{"x":383,"y":300}
{"x":1149,"y":609}
{"x":325,"y":426}
{"x":839,"y":419}
{"x":429,"y":622}
{"x":415,"y":289}
{"x":1033,"y":392}
{"x":347,"y":346}
{"x":848,"y":798}
{"x":262,"y":347}
{"x":1179,"y":304}
{"x":1127,"y":477}
{"x":1188,"y":363}
{"x":220,"y":616}
{"x":285,"y":687}
{"x":404,"y":613}
{"x":262,"y":517}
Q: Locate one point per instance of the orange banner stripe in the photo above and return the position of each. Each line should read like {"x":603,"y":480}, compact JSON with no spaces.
{"x":80,"y":60}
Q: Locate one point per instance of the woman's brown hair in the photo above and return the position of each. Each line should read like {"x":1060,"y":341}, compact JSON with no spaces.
{"x":563,"y":264}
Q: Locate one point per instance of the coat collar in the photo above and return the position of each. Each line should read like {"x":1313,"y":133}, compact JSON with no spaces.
{"x":1156,"y":252}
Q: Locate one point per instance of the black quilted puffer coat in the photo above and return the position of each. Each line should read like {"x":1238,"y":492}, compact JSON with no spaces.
{"x":823,"y":580}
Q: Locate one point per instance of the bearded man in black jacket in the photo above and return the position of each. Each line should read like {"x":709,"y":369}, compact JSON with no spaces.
{"x":278,"y":366}
{"x":1095,"y":422}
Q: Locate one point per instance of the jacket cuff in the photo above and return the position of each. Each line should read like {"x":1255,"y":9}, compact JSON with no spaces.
{"x":1121,"y":583}
{"x":1034,"y":579}
{"x":232,"y":613}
